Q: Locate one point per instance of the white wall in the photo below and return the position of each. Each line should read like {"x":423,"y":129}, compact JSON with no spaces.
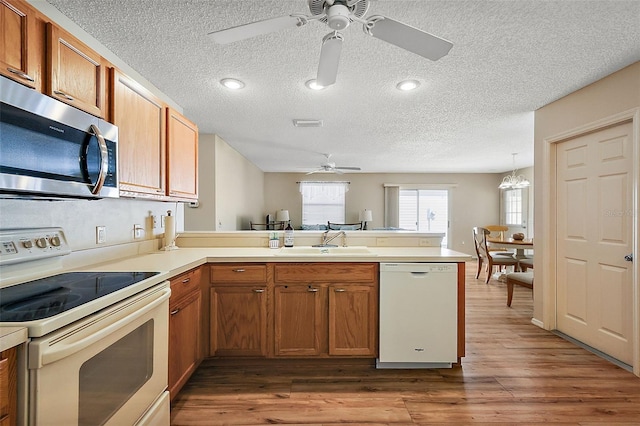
{"x":79,"y":218}
{"x":231,"y":189}
{"x":613,"y":94}
{"x":474,"y":198}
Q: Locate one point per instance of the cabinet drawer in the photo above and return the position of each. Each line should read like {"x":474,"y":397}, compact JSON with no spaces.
{"x":184,"y":284}
{"x":238,"y":273}
{"x":326,"y":272}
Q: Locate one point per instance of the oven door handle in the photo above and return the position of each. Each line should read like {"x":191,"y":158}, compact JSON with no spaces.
{"x":85,"y":334}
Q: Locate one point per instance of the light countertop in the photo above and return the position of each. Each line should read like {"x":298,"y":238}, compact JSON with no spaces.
{"x":12,"y":336}
{"x":171,"y":263}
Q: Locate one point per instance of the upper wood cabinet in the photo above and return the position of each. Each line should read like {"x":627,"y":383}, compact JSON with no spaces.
{"x":21,"y":43}
{"x":141,"y":121}
{"x":77,"y":74}
{"x":182,"y":152}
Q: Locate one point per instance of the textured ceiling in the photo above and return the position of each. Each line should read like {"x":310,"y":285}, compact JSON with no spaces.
{"x":473,"y":109}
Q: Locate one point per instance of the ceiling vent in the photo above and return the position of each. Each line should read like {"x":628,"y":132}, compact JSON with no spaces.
{"x":298,"y":122}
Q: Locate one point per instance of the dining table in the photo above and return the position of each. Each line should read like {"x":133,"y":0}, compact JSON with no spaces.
{"x":519,"y":245}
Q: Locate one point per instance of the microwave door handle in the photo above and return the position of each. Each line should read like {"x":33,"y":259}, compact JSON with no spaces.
{"x":104,"y":159}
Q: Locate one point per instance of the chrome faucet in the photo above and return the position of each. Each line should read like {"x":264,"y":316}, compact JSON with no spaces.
{"x":326,"y":239}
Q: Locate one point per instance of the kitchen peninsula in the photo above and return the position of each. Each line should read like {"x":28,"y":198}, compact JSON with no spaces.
{"x":239,"y":299}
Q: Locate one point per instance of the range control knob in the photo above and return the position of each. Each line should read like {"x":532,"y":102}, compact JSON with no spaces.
{"x":55,"y":241}
{"x":27,"y":244}
{"x":41,"y":242}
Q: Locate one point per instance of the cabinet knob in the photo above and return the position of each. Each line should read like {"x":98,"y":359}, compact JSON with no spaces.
{"x":258,"y":290}
{"x":186,"y":280}
{"x":312,"y":290}
{"x":175,"y":311}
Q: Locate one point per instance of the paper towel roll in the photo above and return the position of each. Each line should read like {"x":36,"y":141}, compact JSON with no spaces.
{"x":169,"y":232}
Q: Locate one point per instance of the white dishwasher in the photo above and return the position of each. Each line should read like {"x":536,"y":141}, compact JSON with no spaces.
{"x":418,"y":315}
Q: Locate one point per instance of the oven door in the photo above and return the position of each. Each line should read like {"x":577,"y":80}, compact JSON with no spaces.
{"x":108,"y":368}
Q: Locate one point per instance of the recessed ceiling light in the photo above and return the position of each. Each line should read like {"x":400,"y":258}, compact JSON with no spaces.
{"x":232,"y":83}
{"x":311,"y":84}
{"x":407,"y":85}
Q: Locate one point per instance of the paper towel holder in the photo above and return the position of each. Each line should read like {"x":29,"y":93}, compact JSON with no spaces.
{"x":169,"y":233}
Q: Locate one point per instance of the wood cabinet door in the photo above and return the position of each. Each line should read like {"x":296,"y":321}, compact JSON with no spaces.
{"x":76,"y":74}
{"x":20,"y":47}
{"x":299,"y":324}
{"x":9,"y":386}
{"x":353,"y":319}
{"x":182,"y":153}
{"x":238,"y":317}
{"x":140,"y":118}
{"x":184,"y":340}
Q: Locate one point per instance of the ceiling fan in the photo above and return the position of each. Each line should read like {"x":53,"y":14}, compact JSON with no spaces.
{"x":338,"y":15}
{"x":331,"y":167}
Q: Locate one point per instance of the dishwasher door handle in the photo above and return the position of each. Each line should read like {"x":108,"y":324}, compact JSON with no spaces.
{"x":419,"y":274}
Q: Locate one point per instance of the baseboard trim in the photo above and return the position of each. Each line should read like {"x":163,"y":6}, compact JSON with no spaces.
{"x":594,"y":351}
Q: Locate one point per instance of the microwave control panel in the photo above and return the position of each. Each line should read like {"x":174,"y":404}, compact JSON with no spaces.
{"x":21,"y":245}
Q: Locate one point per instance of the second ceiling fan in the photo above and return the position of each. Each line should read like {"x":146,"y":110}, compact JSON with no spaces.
{"x":338,"y":15}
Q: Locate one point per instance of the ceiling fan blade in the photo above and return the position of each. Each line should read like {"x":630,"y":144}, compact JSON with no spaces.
{"x":349,"y":168}
{"x":255,"y":29}
{"x":408,"y":38}
{"x":329,"y":59}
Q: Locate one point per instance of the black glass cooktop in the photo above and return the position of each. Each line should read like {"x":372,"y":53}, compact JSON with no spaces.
{"x":46,"y":297}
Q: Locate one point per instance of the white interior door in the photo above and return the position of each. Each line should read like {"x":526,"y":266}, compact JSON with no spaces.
{"x":594,"y":233}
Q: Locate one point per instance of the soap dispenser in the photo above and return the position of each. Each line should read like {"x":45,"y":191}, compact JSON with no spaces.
{"x":288,"y":235}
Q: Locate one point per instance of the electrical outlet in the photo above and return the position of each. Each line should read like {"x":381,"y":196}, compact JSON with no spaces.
{"x":101,"y":234}
{"x":154,"y":221}
{"x":138,"y":231}
{"x":162,"y":221}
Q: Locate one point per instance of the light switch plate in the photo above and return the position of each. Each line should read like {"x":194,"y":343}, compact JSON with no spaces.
{"x":101,"y":234}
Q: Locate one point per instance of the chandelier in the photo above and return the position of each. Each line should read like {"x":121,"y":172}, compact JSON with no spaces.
{"x":513,"y":181}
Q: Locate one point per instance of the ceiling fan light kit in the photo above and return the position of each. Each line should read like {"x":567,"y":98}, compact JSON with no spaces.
{"x":313,"y":85}
{"x":512,"y":181}
{"x":338,"y":15}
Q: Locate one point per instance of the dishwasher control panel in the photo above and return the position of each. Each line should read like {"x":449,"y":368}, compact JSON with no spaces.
{"x":419,"y":267}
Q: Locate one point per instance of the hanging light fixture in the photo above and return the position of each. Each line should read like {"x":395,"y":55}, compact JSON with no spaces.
{"x":513,"y":181}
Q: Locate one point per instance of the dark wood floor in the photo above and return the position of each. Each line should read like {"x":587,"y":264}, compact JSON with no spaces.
{"x":513,"y":373}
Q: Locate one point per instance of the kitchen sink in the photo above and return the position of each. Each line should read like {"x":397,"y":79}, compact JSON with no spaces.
{"x":326,"y":250}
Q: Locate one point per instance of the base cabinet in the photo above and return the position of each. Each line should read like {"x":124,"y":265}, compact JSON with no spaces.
{"x":294,"y":310}
{"x":185,"y":312}
{"x":238,"y":310}
{"x":298,"y":314}
{"x":238,"y":320}
{"x":326,"y":309}
{"x":353,"y":320}
{"x":8,"y":387}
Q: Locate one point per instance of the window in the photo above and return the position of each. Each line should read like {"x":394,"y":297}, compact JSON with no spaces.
{"x":323,"y":202}
{"x":513,"y":207}
{"x":424,"y":210}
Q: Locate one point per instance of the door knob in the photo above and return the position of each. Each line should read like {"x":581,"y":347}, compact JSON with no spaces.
{"x":629,"y":257}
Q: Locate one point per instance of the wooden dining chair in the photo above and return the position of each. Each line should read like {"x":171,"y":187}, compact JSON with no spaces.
{"x":524,"y":279}
{"x":526,"y":263}
{"x":480,"y":243}
{"x":498,"y":231}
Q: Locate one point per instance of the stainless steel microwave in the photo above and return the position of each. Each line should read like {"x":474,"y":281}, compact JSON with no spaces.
{"x":51,"y":149}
